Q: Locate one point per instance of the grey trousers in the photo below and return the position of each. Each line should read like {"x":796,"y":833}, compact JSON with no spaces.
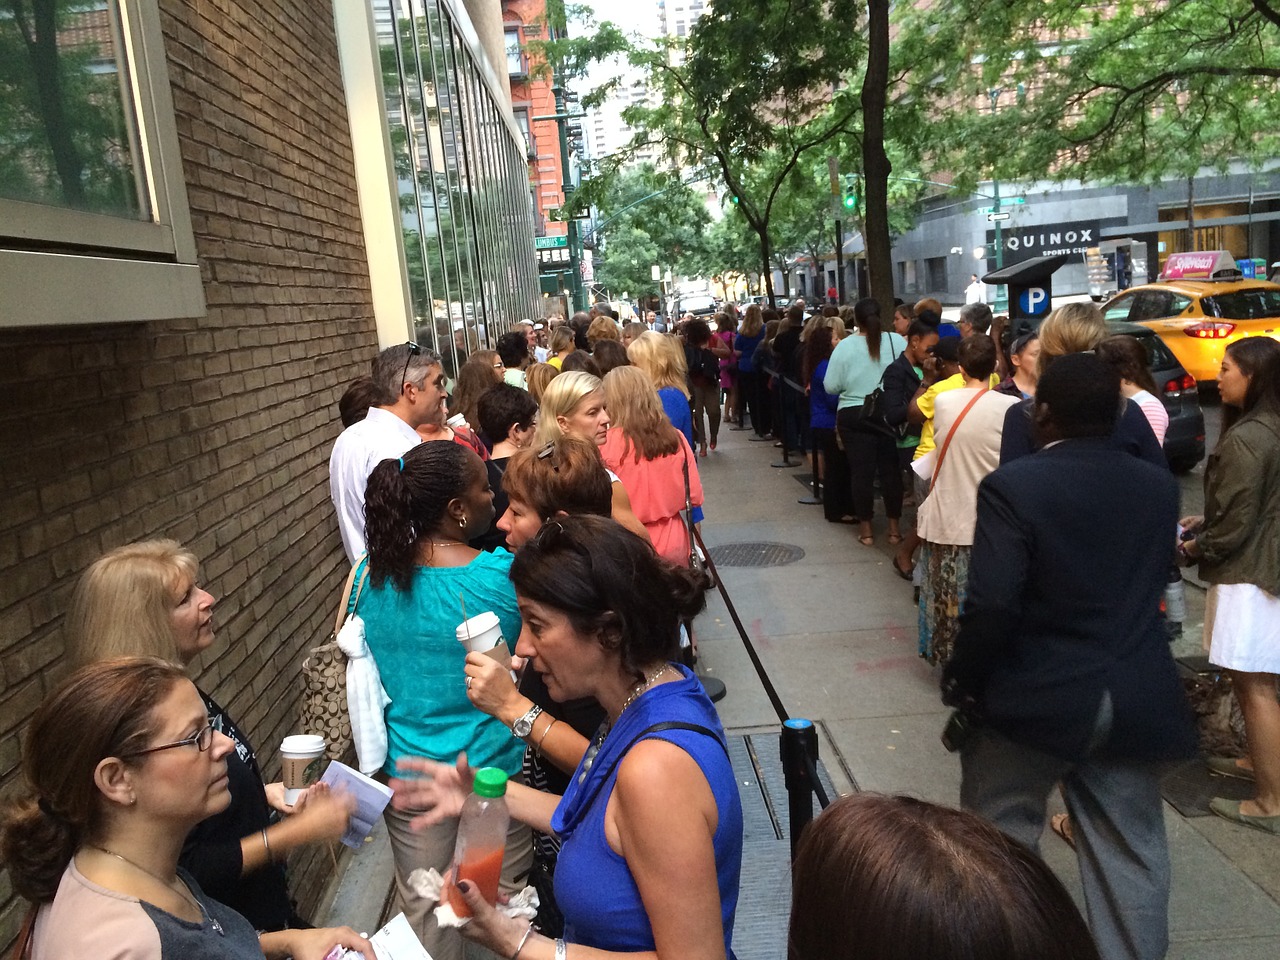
{"x":1117,"y":818}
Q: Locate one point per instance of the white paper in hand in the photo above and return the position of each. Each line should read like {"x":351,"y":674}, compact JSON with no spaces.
{"x":371,"y":799}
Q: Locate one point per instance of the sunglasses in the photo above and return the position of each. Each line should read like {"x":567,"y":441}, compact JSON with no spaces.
{"x":548,"y":451}
{"x":414,"y":350}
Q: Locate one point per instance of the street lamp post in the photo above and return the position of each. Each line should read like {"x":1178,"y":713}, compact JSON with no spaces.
{"x":1001,"y":303}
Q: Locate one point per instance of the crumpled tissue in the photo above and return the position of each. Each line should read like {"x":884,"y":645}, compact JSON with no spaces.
{"x":523,"y":904}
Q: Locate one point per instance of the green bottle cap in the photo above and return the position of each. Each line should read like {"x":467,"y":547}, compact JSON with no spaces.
{"x":490,"y":782}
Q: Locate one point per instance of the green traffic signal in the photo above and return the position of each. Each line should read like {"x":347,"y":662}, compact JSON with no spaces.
{"x":850,"y":200}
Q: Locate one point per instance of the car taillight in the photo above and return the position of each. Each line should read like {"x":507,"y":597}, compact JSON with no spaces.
{"x":1175,"y":386}
{"x":1210,"y":330}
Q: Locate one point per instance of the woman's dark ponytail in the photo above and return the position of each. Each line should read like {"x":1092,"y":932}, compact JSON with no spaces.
{"x":406,"y":500}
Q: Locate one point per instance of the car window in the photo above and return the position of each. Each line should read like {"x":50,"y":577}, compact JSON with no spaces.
{"x":1243,"y":304}
{"x":1158,"y":355}
{"x":1118,"y":309}
{"x":1151,"y":305}
{"x":1177,"y":304}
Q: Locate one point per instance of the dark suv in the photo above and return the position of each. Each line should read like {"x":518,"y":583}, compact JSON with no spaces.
{"x":1184,"y":441}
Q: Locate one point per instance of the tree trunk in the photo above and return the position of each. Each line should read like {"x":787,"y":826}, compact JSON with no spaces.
{"x":875,"y":162}
{"x":46,"y":71}
{"x":766,"y":254}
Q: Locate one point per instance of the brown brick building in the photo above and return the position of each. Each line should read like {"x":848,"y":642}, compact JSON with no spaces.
{"x":174,"y":370}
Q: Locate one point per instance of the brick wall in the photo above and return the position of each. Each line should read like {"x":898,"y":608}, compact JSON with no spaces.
{"x":214,"y":431}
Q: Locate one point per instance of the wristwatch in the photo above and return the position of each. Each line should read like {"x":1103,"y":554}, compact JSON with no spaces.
{"x":523,"y":725}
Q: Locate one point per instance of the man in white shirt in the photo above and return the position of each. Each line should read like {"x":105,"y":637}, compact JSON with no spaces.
{"x":976,"y":291}
{"x":413,"y":380}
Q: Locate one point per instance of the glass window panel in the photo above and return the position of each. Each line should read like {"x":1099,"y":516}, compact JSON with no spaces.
{"x":67,"y":115}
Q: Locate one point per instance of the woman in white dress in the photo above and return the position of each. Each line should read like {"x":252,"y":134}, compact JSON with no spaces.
{"x":1235,"y":543}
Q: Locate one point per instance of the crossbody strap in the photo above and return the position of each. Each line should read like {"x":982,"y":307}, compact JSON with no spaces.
{"x":359,"y":573}
{"x":952,"y":432}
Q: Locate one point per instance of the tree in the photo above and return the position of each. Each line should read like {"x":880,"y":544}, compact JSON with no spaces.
{"x":750,"y":95}
{"x":647,"y":218}
{"x":1125,"y":91}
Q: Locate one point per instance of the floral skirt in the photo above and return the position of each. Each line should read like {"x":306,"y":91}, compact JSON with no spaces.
{"x":942,"y":594}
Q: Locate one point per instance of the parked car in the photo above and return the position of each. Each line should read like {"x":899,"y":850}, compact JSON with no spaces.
{"x":1197,"y":318}
{"x":1184,"y":440}
{"x":699,"y":305}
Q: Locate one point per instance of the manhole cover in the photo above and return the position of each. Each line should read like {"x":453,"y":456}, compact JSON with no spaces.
{"x":756,"y":554}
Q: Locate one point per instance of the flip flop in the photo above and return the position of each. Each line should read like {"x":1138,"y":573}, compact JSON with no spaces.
{"x":867,"y":541}
{"x":895,"y":539}
{"x":904,"y":574}
{"x":1060,"y":823}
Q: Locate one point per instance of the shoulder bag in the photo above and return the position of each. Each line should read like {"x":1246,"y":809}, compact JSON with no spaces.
{"x":324,"y":680}
{"x":696,"y":562}
{"x":871,"y":415}
{"x":946,"y":443}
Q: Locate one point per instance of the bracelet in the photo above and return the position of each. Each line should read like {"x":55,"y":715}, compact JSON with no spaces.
{"x":538,"y":746}
{"x":562,"y":952}
{"x":520,"y":946}
{"x":266,"y":845}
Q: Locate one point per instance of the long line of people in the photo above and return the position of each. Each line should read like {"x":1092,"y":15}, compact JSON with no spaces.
{"x":625,"y":811}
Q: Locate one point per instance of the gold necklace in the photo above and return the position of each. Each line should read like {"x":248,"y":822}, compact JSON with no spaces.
{"x":594,"y":749}
{"x":213,"y":921}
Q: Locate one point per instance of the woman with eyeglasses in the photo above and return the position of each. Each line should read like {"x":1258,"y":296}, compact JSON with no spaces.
{"x":483,"y":369}
{"x":119,"y":763}
{"x":423,"y":580}
{"x":145,"y":599}
{"x":573,"y":404}
{"x":651,"y":824}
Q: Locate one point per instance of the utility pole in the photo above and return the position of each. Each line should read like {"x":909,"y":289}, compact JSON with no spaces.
{"x":995,"y":209}
{"x":833,"y":171}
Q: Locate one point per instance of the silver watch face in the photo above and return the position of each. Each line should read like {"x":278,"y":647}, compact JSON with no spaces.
{"x":524,"y":725}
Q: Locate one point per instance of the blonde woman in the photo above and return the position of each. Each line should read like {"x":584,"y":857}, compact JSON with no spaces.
{"x":561,"y":345}
{"x":145,"y":600}
{"x":573,"y":404}
{"x":652,"y":457}
{"x":1075,"y":328}
{"x":661,"y":358}
{"x":537,"y":377}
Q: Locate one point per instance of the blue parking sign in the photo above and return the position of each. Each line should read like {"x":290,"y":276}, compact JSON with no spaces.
{"x":1033,"y":301}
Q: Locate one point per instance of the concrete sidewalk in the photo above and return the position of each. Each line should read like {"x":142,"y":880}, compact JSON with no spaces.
{"x":836,"y":631}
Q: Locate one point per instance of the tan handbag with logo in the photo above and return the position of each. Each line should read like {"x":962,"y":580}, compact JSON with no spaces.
{"x":324,"y":679}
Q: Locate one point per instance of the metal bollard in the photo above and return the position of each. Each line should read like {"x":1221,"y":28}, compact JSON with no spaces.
{"x":799,"y":746}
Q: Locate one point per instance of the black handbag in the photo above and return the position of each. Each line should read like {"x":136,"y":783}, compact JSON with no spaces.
{"x":871,"y":415}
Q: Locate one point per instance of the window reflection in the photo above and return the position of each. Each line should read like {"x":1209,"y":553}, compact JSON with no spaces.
{"x":67,"y":127}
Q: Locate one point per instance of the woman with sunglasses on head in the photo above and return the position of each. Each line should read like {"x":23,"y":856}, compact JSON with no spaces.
{"x":566,"y":477}
{"x":144,"y":599}
{"x":573,"y":405}
{"x":651,"y":825}
{"x":423,"y":580}
{"x":120,"y":762}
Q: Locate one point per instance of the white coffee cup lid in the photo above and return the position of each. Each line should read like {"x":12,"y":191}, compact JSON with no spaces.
{"x":302,"y":743}
{"x":477,"y":625}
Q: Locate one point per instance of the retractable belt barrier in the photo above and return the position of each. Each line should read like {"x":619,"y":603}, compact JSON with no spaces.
{"x":798,"y":742}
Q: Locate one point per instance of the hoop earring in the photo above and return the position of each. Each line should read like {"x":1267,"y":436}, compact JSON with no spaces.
{"x":462,"y":522}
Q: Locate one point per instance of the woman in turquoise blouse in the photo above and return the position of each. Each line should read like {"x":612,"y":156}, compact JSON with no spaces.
{"x":420,"y":511}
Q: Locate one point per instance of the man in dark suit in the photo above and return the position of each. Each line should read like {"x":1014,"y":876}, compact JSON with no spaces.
{"x":1062,"y":661}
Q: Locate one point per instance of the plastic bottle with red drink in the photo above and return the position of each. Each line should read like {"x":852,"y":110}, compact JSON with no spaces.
{"x":482,"y":838}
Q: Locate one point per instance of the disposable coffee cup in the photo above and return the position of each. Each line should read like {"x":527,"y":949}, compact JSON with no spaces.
{"x":301,"y":760}
{"x":457,"y":421}
{"x":483,"y":634}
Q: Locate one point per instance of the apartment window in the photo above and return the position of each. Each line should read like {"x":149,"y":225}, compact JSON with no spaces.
{"x":522,"y":121}
{"x":935,"y":271}
{"x":94,"y":224}
{"x":515,"y":56}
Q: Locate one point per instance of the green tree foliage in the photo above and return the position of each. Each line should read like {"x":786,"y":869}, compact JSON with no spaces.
{"x":63,"y":136}
{"x":1131,"y":90}
{"x":647,"y":218}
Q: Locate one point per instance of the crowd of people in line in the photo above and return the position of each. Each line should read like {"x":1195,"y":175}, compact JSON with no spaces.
{"x":554,"y":482}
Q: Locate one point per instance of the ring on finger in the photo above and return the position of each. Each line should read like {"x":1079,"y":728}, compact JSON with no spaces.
{"x":469,"y":679}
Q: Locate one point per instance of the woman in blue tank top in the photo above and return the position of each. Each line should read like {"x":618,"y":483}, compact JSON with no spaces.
{"x":651,"y":823}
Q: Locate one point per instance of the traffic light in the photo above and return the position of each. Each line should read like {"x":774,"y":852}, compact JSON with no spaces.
{"x":850,"y":198}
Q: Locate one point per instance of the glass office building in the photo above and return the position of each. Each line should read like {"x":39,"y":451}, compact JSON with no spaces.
{"x":461,"y":176}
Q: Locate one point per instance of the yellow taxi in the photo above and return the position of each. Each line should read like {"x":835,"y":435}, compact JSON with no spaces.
{"x":1200,"y":304}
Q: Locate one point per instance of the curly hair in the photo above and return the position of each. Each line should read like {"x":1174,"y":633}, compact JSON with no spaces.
{"x":404,"y":504}
{"x":611,"y":585}
{"x":104,"y":709}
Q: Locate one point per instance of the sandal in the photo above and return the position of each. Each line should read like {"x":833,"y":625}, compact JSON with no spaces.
{"x":867,"y":541}
{"x":895,"y":539}
{"x":1060,"y":823}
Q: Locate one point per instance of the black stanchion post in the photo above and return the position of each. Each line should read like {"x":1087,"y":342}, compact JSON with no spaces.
{"x":815,"y":496}
{"x":780,"y":420}
{"x":799,"y":745}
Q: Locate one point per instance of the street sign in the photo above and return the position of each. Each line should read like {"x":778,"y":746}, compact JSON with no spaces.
{"x":994,"y":217}
{"x":550,"y":243}
{"x":833,"y":171}
{"x":1033,"y":301}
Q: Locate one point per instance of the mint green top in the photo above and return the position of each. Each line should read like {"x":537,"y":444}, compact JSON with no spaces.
{"x":853,"y":374}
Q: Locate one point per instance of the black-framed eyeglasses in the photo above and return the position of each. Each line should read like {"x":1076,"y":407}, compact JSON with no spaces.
{"x":414,"y":350}
{"x":549,"y":451}
{"x":201,"y":740}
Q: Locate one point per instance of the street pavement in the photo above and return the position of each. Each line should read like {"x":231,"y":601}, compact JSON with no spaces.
{"x":836,"y":632}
